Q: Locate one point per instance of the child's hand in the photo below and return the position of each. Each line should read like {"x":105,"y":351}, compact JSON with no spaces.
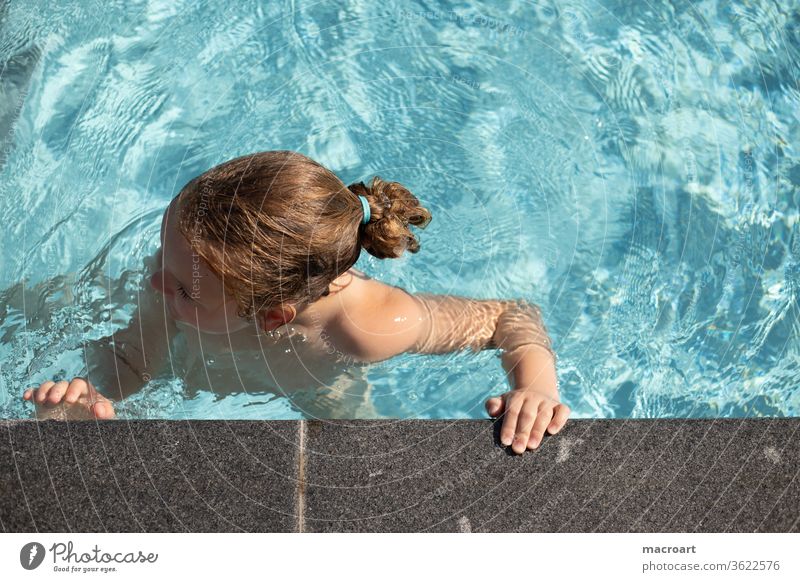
{"x":75,"y":400}
{"x":527,"y":414}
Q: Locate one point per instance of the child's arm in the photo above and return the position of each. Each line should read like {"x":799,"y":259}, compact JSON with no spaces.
{"x":383,"y":321}
{"x":119,"y":364}
{"x":123,"y":362}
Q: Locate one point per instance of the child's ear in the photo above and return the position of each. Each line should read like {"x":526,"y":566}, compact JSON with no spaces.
{"x":266,"y":321}
{"x":270,"y":319}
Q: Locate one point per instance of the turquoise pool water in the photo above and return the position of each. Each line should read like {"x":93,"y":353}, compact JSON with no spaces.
{"x":630,"y":167}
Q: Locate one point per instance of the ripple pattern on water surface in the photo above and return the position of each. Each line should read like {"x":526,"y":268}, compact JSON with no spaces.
{"x":630,"y":167}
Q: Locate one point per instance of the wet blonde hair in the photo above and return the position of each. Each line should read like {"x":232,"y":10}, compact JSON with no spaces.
{"x":277,"y":227}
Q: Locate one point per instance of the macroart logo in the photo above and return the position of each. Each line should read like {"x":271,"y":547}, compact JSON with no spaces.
{"x":31,"y":555}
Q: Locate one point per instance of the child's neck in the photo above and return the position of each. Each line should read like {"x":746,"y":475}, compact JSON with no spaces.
{"x":316,"y":315}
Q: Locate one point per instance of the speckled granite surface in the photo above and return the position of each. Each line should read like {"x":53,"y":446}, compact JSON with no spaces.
{"x":410,"y":475}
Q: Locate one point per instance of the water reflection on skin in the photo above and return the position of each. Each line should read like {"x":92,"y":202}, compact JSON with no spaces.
{"x":291,"y":365}
{"x":449,"y":323}
{"x":316,"y":383}
{"x":457,"y":323}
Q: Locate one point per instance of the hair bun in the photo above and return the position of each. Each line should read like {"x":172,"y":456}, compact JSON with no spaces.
{"x":392,"y":209}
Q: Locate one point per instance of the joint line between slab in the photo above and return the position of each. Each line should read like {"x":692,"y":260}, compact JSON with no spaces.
{"x":301,"y":477}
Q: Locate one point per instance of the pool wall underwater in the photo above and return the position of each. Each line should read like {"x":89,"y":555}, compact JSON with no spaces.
{"x":666,"y":475}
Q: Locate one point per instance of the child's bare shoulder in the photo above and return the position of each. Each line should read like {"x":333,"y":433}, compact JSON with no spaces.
{"x":356,"y":292}
{"x":370,"y":319}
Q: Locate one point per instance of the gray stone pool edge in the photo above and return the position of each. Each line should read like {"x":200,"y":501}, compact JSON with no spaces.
{"x":665,"y":475}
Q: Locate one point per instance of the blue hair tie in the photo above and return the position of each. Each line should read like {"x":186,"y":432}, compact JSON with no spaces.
{"x":365,"y":208}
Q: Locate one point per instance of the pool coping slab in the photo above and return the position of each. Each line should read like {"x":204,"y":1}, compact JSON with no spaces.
{"x":664,"y":475}
{"x":148,"y":476}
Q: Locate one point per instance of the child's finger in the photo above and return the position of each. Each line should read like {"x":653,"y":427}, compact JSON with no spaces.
{"x":525,"y":422}
{"x":542,"y":420}
{"x":27,"y":394}
{"x":56,"y":393}
{"x":77,"y":387}
{"x":73,"y":393}
{"x":494,"y":406}
{"x":513,"y":406}
{"x":559,"y":418}
{"x":44,"y":388}
{"x":103,"y":410}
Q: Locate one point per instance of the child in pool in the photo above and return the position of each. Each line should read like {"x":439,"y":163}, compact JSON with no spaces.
{"x":256,"y":261}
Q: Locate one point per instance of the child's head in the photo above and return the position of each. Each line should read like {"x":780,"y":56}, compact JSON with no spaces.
{"x":265,"y":235}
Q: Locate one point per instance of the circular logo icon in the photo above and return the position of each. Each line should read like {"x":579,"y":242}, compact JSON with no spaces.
{"x":31,"y":555}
